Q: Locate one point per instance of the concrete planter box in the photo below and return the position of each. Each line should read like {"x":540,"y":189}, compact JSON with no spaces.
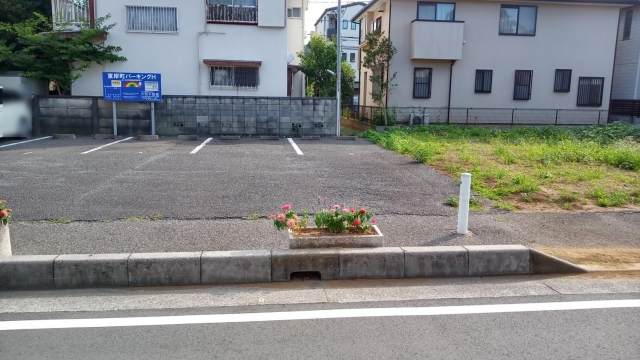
{"x":5,"y":241}
{"x":341,"y":241}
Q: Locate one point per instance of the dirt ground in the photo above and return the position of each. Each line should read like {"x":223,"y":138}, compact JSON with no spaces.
{"x":599,"y":259}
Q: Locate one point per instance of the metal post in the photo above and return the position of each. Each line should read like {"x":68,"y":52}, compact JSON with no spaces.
{"x":153,"y":118}
{"x":513,"y":112}
{"x":467,"y":117}
{"x":115,"y":121}
{"x":557,"y":116}
{"x":339,"y":57}
{"x":599,"y":114}
{"x":463,"y":207}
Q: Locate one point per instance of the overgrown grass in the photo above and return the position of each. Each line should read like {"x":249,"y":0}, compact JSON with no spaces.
{"x":559,"y":167}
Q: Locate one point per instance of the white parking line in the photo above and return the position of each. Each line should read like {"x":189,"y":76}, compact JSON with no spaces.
{"x":109,"y":144}
{"x":295,"y":147}
{"x":315,"y":314}
{"x":200,"y":146}
{"x":24,"y":142}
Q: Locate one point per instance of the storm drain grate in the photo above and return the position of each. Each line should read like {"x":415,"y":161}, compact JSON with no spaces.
{"x":305,"y":276}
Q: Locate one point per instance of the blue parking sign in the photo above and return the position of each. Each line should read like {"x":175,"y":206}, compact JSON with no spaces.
{"x":140,"y":87}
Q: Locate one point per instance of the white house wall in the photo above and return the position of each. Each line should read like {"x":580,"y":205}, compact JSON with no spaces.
{"x":625,"y":75}
{"x":179,"y":57}
{"x":578,"y":37}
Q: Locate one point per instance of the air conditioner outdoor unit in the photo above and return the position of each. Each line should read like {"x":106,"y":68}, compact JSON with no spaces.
{"x":419,"y":119}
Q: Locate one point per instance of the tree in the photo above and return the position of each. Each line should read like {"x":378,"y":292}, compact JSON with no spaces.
{"x":378,"y":52}
{"x":13,"y":12}
{"x":56,"y":56}
{"x":318,"y":56}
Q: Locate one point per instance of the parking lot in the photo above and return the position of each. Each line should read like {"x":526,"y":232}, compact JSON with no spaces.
{"x":97,"y":196}
{"x":93,"y":180}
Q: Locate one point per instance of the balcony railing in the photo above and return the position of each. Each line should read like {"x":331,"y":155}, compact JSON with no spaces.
{"x":73,"y":13}
{"x":232,"y":14}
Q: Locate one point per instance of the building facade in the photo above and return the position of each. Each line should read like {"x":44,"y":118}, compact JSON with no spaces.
{"x":201,"y":47}
{"x":295,"y":43}
{"x":626,"y":74}
{"x":496,"y":54}
{"x":326,"y":26}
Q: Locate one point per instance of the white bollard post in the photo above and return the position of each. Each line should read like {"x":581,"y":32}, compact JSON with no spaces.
{"x":463,"y":207}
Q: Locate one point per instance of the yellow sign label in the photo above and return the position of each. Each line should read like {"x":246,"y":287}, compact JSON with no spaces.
{"x":116,"y":83}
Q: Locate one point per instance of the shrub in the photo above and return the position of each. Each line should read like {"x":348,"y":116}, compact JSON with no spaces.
{"x":5,"y":213}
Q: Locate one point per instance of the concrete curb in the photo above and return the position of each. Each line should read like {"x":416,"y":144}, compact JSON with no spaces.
{"x":254,"y":266}
{"x":64,"y":136}
{"x":229,"y":137}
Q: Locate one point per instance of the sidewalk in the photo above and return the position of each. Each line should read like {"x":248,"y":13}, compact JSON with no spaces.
{"x":544,"y":229}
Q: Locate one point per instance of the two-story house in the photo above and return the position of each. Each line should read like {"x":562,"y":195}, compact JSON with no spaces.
{"x":349,"y":31}
{"x":497,"y":54}
{"x":201,"y":47}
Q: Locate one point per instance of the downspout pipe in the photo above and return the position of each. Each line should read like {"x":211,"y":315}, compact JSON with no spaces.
{"x":450,"y":82}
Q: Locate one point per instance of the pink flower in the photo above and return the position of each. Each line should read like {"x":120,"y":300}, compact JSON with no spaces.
{"x":281,"y":217}
{"x":345,"y":223}
{"x":291,"y":223}
{"x":3,"y":201}
{"x":363,"y":211}
{"x":336,"y":206}
{"x":345,"y":210}
{"x":356,"y":222}
{"x":272,"y":216}
{"x":373,"y":221}
{"x":3,"y":214}
{"x":353,"y":210}
{"x":286,"y":207}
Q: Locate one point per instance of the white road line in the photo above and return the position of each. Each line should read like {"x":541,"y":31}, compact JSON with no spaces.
{"x":109,"y":144}
{"x":200,"y":146}
{"x":315,"y":314}
{"x":295,"y":147}
{"x":24,"y":142}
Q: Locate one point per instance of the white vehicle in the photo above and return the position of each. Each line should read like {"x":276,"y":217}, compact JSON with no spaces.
{"x":15,"y":114}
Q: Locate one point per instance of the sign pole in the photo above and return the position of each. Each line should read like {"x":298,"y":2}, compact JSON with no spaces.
{"x":153,"y":118}
{"x":115,"y":121}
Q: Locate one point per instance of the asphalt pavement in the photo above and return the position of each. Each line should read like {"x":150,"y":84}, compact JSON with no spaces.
{"x":551,"y":326}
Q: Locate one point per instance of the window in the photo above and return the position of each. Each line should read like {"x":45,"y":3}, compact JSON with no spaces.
{"x":154,"y":19}
{"x":422,"y":83}
{"x":293,"y":12}
{"x":483,"y":81}
{"x":590,"y":91}
{"x":375,"y":24}
{"x":345,"y":24}
{"x":344,"y":56}
{"x":518,"y":20}
{"x":233,"y":11}
{"x":436,"y":11}
{"x":628,"y":17}
{"x":563,"y":80}
{"x":352,"y":57}
{"x":235,"y":77}
{"x":353,"y":26}
{"x":522,"y":87}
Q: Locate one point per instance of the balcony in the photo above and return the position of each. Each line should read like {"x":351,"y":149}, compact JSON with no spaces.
{"x":436,"y":40}
{"x":73,"y":14}
{"x":220,"y":13}
{"x":331,"y":32}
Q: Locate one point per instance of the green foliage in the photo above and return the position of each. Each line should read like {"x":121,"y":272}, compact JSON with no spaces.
{"x":157,"y":217}
{"x":289,"y":219}
{"x":5,"y":213}
{"x":318,"y":56}
{"x":452,"y":201}
{"x":50,"y":55}
{"x":13,"y":12}
{"x":507,"y":206}
{"x":61,"y":221}
{"x":378,"y":51}
{"x":339,"y":220}
{"x":520,"y":161}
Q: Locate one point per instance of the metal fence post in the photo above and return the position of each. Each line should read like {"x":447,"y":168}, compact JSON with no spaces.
{"x":35,"y":120}
{"x":557,"y":116}
{"x":467,"y":121}
{"x":599,"y":115}
{"x":513,"y":112}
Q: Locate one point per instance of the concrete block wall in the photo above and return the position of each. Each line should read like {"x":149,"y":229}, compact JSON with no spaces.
{"x":188,"y":115}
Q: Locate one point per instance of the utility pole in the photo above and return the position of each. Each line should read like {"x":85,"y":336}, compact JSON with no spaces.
{"x":339,"y":71}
